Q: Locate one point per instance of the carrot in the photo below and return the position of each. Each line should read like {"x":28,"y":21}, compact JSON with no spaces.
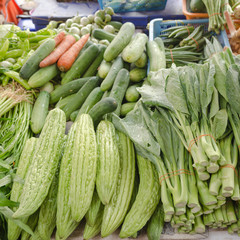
{"x":67,"y":59}
{"x":59,"y":37}
{"x":63,"y":46}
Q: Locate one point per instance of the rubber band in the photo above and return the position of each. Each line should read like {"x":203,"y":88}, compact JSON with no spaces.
{"x":187,"y":30}
{"x":171,"y":55}
{"x":230,"y":166}
{"x":174,"y":173}
{"x":214,"y":14}
{"x":196,"y":43}
{"x":198,"y":138}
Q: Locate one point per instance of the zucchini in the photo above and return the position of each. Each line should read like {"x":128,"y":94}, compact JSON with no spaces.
{"x":81,"y":64}
{"x":94,"y":97}
{"x":92,"y":70}
{"x":156,"y":223}
{"x":32,"y":223}
{"x":64,"y":101}
{"x":93,"y":212}
{"x":138,"y":74}
{"x":104,"y":68}
{"x":132,"y":95}
{"x":48,"y":210}
{"x":43,"y":75}
{"x":65,"y":223}
{"x":119,"y":88}
{"x":25,"y":160}
{"x":117,"y":25}
{"x":100,"y":34}
{"x":108,"y":161}
{"x":126,"y":108}
{"x":32,"y":64}
{"x":120,"y":41}
{"x":67,"y":89}
{"x":44,"y":165}
{"x":115,"y":68}
{"x":48,"y":87}
{"x":142,"y":61}
{"x":146,"y":201}
{"x":80,"y":96}
{"x":155,"y":56}
{"x":133,"y":51}
{"x":92,"y":231}
{"x":84,"y":166}
{"x":39,"y":112}
{"x":115,"y":211}
{"x":106,"y":105}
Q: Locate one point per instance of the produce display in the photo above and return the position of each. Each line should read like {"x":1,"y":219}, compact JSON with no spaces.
{"x":102,"y":128}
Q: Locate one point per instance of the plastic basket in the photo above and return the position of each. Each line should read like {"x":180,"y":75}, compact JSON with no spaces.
{"x":157,"y":26}
{"x":189,"y":14}
{"x":133,"y":5}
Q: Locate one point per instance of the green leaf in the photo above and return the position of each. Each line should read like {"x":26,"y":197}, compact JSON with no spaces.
{"x":214,"y":105}
{"x":219,"y":124}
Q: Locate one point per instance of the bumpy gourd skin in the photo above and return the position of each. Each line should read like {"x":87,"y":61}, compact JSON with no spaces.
{"x":44,"y":164}
{"x":65,"y":223}
{"x":115,"y":211}
{"x":84,"y":166}
{"x":146,"y":201}
{"x":108,"y":161}
{"x":24,"y":163}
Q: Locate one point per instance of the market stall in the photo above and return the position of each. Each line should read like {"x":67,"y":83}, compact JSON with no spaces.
{"x":114,"y":130}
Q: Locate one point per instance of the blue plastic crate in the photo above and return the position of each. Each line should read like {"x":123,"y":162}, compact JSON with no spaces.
{"x":157,"y":26}
{"x":121,"y":6}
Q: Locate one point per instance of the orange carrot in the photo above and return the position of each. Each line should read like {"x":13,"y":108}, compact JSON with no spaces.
{"x":67,"y":59}
{"x":63,"y":46}
{"x":59,"y":37}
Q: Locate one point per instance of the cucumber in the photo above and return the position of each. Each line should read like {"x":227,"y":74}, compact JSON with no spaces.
{"x":100,"y":34}
{"x":133,"y":51}
{"x":138,"y":74}
{"x":48,"y":87}
{"x":115,"y":24}
{"x":155,"y":56}
{"x":93,"y":98}
{"x":119,"y":88}
{"x":106,"y":105}
{"x":142,"y":61}
{"x":132,"y":95}
{"x":64,"y":101}
{"x":92,"y":70}
{"x":32,"y":64}
{"x":126,"y":108}
{"x":161,"y":46}
{"x":43,"y":75}
{"x":104,"y":69}
{"x":39,"y":112}
{"x":63,"y":91}
{"x":120,"y":41}
{"x":81,"y":64}
{"x":115,"y":68}
{"x":80,"y":96}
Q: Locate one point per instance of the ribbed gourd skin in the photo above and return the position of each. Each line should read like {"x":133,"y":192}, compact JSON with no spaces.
{"x":108,"y":161}
{"x":92,"y":213}
{"x":48,"y":210}
{"x":65,"y":223}
{"x":146,"y":200}
{"x":84,"y":167}
{"x":24,"y":162}
{"x":44,"y":164}
{"x":115,"y":211}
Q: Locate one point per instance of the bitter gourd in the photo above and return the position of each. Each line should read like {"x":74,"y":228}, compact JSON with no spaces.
{"x":108,"y":161}
{"x":44,"y":164}
{"x":65,"y":223}
{"x":25,"y":160}
{"x":115,"y":211}
{"x":146,"y":201}
{"x":84,"y":167}
{"x":92,"y":213}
